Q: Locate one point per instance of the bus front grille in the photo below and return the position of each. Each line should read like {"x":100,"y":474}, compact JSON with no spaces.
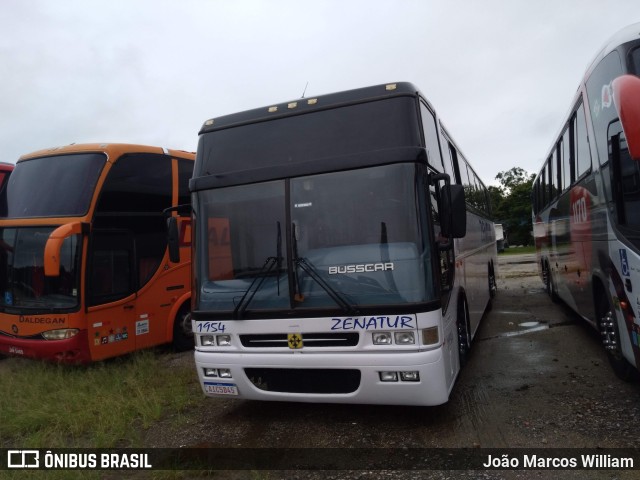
{"x":304,"y":380}
{"x":280,"y":340}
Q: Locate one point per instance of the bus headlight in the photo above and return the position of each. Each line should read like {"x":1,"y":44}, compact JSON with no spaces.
{"x":405,"y":338}
{"x":382,"y":338}
{"x":61,"y":334}
{"x":210,"y":372}
{"x":207,"y":341}
{"x":223,"y":340}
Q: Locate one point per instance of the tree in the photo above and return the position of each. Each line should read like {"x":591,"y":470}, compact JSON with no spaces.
{"x":513,"y":178}
{"x":512,"y":204}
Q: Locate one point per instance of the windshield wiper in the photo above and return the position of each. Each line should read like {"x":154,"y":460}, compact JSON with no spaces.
{"x":269,"y":263}
{"x":312,"y":271}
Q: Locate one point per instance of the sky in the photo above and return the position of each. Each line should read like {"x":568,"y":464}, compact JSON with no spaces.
{"x":501,"y":73}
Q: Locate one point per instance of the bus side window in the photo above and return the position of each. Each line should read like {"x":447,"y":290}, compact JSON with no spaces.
{"x":185,"y":172}
{"x":553,"y":175}
{"x":455,"y":167}
{"x":626,"y":178}
{"x":581,"y":143}
{"x":137,"y":190}
{"x":564,"y":162}
{"x":431,"y":138}
{"x":602,"y":108}
{"x":110,"y":276}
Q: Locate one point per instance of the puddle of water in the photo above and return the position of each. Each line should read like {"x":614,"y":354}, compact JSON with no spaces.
{"x":524,"y":332}
{"x":528,"y":324}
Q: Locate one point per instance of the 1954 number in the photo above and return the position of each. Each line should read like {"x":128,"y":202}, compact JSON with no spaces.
{"x":210,"y":327}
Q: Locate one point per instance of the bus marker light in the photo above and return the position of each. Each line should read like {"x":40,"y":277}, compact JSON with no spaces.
{"x":207,"y":341}
{"x":273,"y":109}
{"x":312,"y":101}
{"x":430,"y":336}
{"x":388,"y":376}
{"x":223,"y":340}
{"x":382,"y":338}
{"x":410,"y":376}
{"x":209,"y":122}
{"x":210,"y":372}
{"x":404,"y":338}
{"x":60,"y":334}
{"x":292,"y":105}
{"x":391,"y":86}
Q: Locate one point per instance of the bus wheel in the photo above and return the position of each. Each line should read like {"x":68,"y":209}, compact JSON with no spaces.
{"x":493,"y":286}
{"x":611,"y":339}
{"x":182,"y":333}
{"x":549,"y":284}
{"x":464,"y":336}
{"x":545,"y":277}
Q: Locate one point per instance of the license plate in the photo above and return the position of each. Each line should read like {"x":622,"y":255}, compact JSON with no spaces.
{"x":220,"y":388}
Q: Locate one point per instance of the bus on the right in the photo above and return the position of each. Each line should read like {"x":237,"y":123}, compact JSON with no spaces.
{"x":586,"y":202}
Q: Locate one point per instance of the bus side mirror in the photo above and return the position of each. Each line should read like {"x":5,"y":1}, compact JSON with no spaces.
{"x":454,"y":214}
{"x":54,"y":245}
{"x":173,"y":239}
{"x":626,"y":96}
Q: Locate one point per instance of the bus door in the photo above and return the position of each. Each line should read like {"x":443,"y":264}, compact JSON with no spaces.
{"x":160,"y":284}
{"x":111,"y":314}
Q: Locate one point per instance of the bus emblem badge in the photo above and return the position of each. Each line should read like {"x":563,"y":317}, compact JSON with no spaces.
{"x":294,"y":340}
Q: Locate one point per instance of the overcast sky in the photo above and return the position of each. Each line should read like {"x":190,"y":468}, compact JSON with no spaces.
{"x":501,"y":73}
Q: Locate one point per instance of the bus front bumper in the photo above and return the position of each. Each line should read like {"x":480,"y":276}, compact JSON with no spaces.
{"x":72,"y":350}
{"x":341,"y":377}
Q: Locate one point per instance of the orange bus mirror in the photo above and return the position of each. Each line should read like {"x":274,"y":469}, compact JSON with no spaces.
{"x":626,"y":95}
{"x":173,"y":239}
{"x":54,"y":244}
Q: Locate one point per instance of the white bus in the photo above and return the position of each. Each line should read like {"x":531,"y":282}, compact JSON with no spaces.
{"x":586,"y":202}
{"x":335,"y":258}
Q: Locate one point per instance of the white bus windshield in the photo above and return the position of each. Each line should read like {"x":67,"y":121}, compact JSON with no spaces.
{"x":344,"y":240}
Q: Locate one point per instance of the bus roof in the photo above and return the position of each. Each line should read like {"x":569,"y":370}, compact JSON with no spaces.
{"x":303,"y":105}
{"x":113,"y":150}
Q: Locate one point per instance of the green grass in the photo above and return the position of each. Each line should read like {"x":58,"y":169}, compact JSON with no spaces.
{"x":108,"y":404}
{"x":518,"y":250}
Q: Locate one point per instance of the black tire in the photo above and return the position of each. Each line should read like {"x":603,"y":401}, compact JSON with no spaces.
{"x":610,"y":333}
{"x":549,"y":284}
{"x":464,"y":334}
{"x":493,"y":286}
{"x":182,"y":333}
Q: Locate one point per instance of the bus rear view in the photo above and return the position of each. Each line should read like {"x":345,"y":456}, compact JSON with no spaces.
{"x":321,"y":232}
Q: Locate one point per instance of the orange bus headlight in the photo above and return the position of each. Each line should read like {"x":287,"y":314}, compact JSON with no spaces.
{"x":61,"y":334}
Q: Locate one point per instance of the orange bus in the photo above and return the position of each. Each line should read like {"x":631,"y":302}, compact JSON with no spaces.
{"x":5,"y":171}
{"x":84,"y":269}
